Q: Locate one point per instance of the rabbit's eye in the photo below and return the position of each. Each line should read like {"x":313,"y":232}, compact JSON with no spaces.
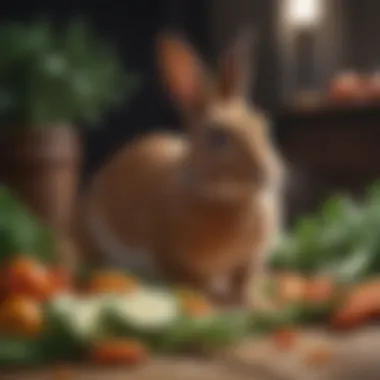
{"x":217,"y":138}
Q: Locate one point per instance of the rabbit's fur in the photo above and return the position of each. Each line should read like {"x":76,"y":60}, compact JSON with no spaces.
{"x":201,"y":209}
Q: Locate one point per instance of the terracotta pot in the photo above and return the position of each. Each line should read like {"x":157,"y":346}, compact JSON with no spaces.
{"x":42,"y":166}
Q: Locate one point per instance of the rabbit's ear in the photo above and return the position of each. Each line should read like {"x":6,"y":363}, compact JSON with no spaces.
{"x":235,"y":78}
{"x":182,"y":72}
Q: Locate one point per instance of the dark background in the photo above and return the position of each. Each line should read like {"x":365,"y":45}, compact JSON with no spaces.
{"x":132,"y":24}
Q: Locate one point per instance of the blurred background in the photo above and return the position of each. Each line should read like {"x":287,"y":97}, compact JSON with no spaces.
{"x":315,"y":71}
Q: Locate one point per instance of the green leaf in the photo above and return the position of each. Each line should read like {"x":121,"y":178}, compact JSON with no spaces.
{"x":214,"y":331}
{"x":21,"y":232}
{"x":50,"y":76}
{"x":342,"y":239}
{"x":18,"y":352}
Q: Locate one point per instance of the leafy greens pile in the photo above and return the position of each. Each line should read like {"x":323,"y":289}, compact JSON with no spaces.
{"x":342,"y":240}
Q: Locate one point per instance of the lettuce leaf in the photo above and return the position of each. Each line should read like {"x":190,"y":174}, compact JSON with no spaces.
{"x":21,"y":232}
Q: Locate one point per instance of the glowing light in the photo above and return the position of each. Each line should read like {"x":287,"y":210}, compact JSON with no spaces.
{"x":303,"y":13}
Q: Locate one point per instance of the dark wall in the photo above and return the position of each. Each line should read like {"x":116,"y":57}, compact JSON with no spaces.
{"x":266,"y":90}
{"x":362,"y":34}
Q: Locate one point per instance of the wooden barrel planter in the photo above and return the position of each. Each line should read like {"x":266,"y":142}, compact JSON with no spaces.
{"x":41,"y":166}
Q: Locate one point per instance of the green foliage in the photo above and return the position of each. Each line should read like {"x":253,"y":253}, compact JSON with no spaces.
{"x":50,"y":76}
{"x":289,"y":316}
{"x":21,"y":232}
{"x":210,"y":332}
{"x":343,"y":239}
{"x":15,"y":352}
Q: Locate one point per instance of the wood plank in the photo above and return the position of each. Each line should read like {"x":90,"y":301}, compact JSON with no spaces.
{"x":158,"y":369}
{"x":351,"y":357}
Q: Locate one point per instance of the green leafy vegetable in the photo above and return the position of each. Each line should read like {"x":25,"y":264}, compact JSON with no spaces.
{"x":21,"y":232}
{"x":51,"y":75}
{"x":15,"y":352}
{"x":211,"y":331}
{"x":343,"y":240}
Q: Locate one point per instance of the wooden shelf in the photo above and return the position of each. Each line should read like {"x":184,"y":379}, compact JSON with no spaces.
{"x":335,"y":149}
{"x":321,"y":113}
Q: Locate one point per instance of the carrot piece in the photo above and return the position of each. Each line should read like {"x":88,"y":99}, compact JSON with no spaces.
{"x":319,"y":290}
{"x":195,"y":305}
{"x":285,"y":338}
{"x":21,"y":316}
{"x":27,"y":277}
{"x":128,"y":352}
{"x":291,"y":288}
{"x":360,"y":305}
{"x":111,"y":282}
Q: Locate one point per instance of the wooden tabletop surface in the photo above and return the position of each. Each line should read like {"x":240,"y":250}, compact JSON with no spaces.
{"x":355,"y":356}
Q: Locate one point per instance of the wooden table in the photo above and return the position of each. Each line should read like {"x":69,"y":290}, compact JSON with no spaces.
{"x":351,"y":357}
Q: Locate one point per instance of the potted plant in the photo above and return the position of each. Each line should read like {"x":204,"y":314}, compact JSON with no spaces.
{"x":51,"y":78}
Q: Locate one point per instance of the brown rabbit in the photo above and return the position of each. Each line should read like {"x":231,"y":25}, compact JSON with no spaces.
{"x":200,"y":209}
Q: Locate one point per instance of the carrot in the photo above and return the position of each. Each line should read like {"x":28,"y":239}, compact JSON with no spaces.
{"x":111,"y":282}
{"x":118,"y":351}
{"x":21,"y":316}
{"x":359,"y":306}
{"x":294,"y":289}
{"x":291,"y":288}
{"x":285,"y":338}
{"x":319,"y":290}
{"x":24,"y":276}
{"x":195,"y":305}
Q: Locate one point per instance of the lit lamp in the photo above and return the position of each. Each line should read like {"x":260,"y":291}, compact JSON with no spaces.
{"x":301,"y":21}
{"x":301,"y":14}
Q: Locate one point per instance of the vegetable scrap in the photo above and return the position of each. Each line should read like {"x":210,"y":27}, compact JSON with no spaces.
{"x":320,"y":290}
{"x":27,"y":277}
{"x":21,"y":316}
{"x":195,"y":305}
{"x":323,"y":273}
{"x":111,"y":282}
{"x":116,"y":352}
{"x":361,"y":305}
{"x":285,"y":339}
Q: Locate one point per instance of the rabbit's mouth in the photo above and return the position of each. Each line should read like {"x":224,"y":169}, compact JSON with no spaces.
{"x":225,"y":190}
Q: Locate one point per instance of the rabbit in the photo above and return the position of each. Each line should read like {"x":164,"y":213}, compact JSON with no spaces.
{"x":200,"y":209}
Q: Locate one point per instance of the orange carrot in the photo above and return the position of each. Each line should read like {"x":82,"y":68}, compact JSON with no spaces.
{"x":359,"y":306}
{"x":118,"y":351}
{"x":24,"y":276}
{"x":111,"y":282}
{"x":285,"y":338}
